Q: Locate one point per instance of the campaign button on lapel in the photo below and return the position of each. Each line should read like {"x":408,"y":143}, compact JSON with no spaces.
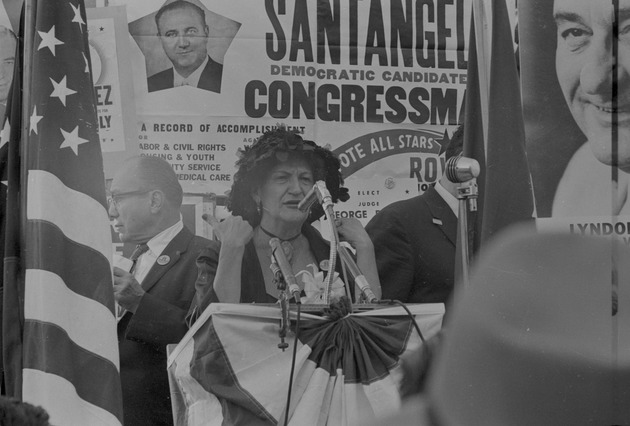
{"x":163,"y":260}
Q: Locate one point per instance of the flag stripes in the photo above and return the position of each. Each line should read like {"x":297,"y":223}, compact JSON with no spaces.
{"x":71,"y":267}
{"x":67,"y":349}
{"x":65,"y":403}
{"x":224,"y":382}
{"x":383,"y":340}
{"x":48,"y":288}
{"x":72,"y":372}
{"x":48,"y":199}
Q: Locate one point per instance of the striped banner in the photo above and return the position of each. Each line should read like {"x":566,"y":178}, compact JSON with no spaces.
{"x":228,"y":369}
{"x":60,"y":347}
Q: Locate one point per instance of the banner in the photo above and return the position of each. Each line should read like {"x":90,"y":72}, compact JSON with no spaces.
{"x":381,"y":83}
{"x":109,"y":53}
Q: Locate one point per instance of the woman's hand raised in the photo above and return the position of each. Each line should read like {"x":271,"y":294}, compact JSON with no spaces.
{"x":352,"y":231}
{"x":232,"y":231}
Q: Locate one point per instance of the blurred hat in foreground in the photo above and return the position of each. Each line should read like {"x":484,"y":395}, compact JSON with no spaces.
{"x":541,"y":336}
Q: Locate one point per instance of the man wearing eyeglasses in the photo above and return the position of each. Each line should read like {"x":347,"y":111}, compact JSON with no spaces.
{"x":144,"y":205}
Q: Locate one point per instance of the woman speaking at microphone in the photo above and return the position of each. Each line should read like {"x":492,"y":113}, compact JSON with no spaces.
{"x":274,"y":174}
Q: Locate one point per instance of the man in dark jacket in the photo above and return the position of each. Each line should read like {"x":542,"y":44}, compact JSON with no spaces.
{"x":156,"y":289}
{"x":414,"y":241}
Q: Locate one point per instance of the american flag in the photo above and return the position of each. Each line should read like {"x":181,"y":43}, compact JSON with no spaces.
{"x":60,"y":348}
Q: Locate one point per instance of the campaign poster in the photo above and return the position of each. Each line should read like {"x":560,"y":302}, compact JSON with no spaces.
{"x":576,"y":115}
{"x":8,"y":43}
{"x":111,"y":71}
{"x":379,"y":82}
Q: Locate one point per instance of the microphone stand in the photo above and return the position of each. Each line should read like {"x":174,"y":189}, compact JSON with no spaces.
{"x":283,"y":298}
{"x":320,"y":193}
{"x":359,"y":279}
{"x":467,"y":193}
{"x":347,"y":260}
{"x":325,"y":200}
{"x":464,"y":171}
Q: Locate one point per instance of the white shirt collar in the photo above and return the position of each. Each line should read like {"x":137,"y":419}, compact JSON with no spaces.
{"x":157,"y":244}
{"x":192,"y":79}
{"x":450,"y":199}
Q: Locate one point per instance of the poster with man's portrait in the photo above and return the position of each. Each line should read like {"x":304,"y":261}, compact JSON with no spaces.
{"x":577,"y":110}
{"x":184,"y":44}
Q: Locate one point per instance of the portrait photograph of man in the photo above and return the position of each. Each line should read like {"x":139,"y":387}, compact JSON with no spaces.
{"x":184,"y":44}
{"x":8,"y":43}
{"x":576,"y":95}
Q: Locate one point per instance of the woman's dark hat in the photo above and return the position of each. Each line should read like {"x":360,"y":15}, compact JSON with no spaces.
{"x":272,"y":148}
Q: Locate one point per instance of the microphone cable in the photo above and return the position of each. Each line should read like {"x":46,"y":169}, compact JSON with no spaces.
{"x":409,"y":314}
{"x":293,"y":361}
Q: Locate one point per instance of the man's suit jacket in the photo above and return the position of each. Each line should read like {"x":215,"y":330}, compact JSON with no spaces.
{"x":414,"y":242}
{"x":210,"y":78}
{"x":158,"y":321}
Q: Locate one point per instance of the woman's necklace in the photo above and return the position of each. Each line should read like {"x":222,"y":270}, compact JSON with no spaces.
{"x":286,"y":245}
{"x":295,"y":237}
{"x":265,"y":255}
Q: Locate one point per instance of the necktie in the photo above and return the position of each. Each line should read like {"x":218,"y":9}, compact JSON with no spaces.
{"x":137,"y":252}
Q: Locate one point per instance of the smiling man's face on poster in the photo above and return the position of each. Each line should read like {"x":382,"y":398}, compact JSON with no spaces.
{"x":184,"y":36}
{"x":184,"y":44}
{"x":584,"y":65}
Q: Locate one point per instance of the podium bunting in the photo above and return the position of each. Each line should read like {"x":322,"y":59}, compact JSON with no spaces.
{"x":228,"y":369}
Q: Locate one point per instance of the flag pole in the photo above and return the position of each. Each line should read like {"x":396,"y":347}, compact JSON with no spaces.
{"x":483,"y":31}
{"x":30,"y":8}
{"x":13,"y":320}
{"x":30,"y":11}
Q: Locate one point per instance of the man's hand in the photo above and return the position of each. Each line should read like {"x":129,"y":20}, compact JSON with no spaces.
{"x":127,"y":291}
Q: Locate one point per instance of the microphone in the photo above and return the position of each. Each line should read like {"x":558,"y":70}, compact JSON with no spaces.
{"x":461,"y":169}
{"x":359,"y":278}
{"x":282,"y":262}
{"x":320,"y":193}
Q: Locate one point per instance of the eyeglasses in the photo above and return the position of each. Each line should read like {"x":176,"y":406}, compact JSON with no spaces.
{"x":115,"y":199}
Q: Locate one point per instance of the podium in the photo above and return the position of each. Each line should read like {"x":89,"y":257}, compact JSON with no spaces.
{"x":229,"y":369}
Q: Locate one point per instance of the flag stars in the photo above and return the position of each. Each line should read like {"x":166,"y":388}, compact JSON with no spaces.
{"x":77,"y":16}
{"x":61,"y":90}
{"x":72,"y":140}
{"x":49,"y":40}
{"x":34,"y":120}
